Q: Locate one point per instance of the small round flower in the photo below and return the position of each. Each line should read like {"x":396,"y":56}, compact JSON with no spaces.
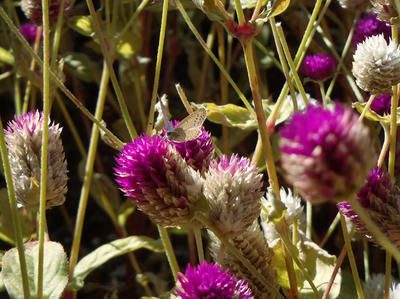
{"x":28,"y":31}
{"x":325,"y":154}
{"x":381,"y":105}
{"x":353,"y":4}
{"x":209,"y":281}
{"x":319,"y":66}
{"x":197,"y":152}
{"x":376,"y":65}
{"x":23,"y":138}
{"x":153,"y":174}
{"x":33,"y":9}
{"x":385,"y":9}
{"x":369,"y":26}
{"x":233,"y":189}
{"x":380,"y":198}
{"x":374,"y":288}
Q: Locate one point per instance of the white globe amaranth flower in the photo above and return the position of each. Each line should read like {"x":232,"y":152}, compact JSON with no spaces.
{"x":376,"y":65}
{"x":384,"y":9}
{"x":394,"y":291}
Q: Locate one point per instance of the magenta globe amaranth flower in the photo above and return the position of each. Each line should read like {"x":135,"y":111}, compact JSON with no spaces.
{"x":197,"y":152}
{"x":29,"y":32}
{"x":380,"y":198}
{"x":152,"y":173}
{"x":369,"y":26}
{"x":326,"y":154}
{"x":319,"y":66}
{"x":23,"y":138}
{"x":209,"y":281}
{"x":382,"y":104}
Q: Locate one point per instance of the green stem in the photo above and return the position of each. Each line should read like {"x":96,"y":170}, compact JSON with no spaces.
{"x":199,"y":242}
{"x":57,"y":80}
{"x":57,"y":36}
{"x":169,"y":251}
{"x":160,"y":51}
{"x":393,"y":131}
{"x":239,"y":12}
{"x":14,"y":213}
{"x":331,"y":229}
{"x":350,"y":254}
{"x":214,"y":58}
{"x":43,"y":164}
{"x":366,"y":108}
{"x":94,"y":137}
{"x":323,"y":95}
{"x":109,"y":61}
{"x":388,"y":274}
{"x":308,"y":219}
{"x":132,"y":19}
{"x":366,"y":260}
{"x":266,"y":143}
{"x":17,"y":95}
{"x":385,"y":146}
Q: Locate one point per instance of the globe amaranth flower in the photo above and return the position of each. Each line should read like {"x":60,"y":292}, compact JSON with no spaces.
{"x":380,"y":197}
{"x":233,"y":189}
{"x":385,"y":9}
{"x":23,"y":138}
{"x":209,"y":281}
{"x":28,"y":31}
{"x":381,"y":105}
{"x":197,"y":152}
{"x":376,"y":65}
{"x":319,"y":66}
{"x":33,"y":10}
{"x":369,"y":26}
{"x":325,"y":154}
{"x":253,"y":246}
{"x":153,"y":174}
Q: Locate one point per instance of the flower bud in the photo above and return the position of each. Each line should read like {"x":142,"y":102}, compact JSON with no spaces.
{"x":319,"y":66}
{"x":23,"y":138}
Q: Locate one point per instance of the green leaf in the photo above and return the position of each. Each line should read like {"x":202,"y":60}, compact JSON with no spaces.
{"x":209,"y":9}
{"x":81,"y":24}
{"x":6,"y":224}
{"x":247,"y":3}
{"x":108,"y":251}
{"x":81,"y":66}
{"x":278,"y":7}
{"x":372,"y":115}
{"x":55,"y":274}
{"x":6,"y":56}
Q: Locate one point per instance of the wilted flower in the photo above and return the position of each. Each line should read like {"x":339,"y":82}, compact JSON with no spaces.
{"x":233,"y":189}
{"x":29,"y":32}
{"x":376,"y":65}
{"x":33,"y":9}
{"x":385,"y":9}
{"x":254,"y":248}
{"x":153,"y":174}
{"x":326,"y":154}
{"x":209,"y":281}
{"x":319,"y":66}
{"x":197,"y":152}
{"x":353,"y":4}
{"x":381,"y":105}
{"x":380,"y":198}
{"x":23,"y":137}
{"x":369,"y":26}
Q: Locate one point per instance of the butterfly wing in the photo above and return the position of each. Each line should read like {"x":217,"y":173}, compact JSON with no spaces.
{"x":190,"y":127}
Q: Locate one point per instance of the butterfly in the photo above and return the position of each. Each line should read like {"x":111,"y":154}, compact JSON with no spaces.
{"x":188,"y":129}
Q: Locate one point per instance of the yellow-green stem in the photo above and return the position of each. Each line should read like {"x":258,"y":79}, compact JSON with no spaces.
{"x":214,"y":58}
{"x":163,"y":27}
{"x":239,"y":12}
{"x":366,"y":108}
{"x":14,"y":213}
{"x":199,"y":242}
{"x":308,"y":219}
{"x":323,"y":95}
{"x":385,"y":146}
{"x":17,"y":95}
{"x":366,"y":259}
{"x":350,"y":254}
{"x":43,"y":158}
{"x":109,"y":61}
{"x":266,"y":144}
{"x":87,"y":180}
{"x":331,"y":229}
{"x":388,"y":274}
{"x":169,"y":251}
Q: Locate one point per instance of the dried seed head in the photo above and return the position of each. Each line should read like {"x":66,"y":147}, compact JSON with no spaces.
{"x":252,"y":246}
{"x":153,"y":174}
{"x":33,"y":10}
{"x":24,"y":142}
{"x":376,"y":65}
{"x":233,"y":189}
{"x":385,"y":9}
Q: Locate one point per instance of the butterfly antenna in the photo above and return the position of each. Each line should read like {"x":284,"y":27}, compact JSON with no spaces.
{"x":167,"y":123}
